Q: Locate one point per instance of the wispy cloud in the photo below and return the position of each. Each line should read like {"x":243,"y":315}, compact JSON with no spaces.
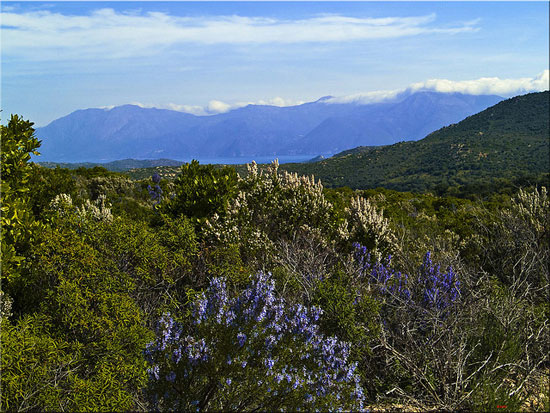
{"x":481,"y":86}
{"x":106,"y":31}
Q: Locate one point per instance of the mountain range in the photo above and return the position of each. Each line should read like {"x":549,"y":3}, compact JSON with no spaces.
{"x":317,"y":128}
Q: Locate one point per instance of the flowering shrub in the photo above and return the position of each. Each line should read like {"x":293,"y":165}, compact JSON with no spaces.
{"x":368,"y":225}
{"x":441,"y":289}
{"x":155,"y":192}
{"x":248,"y":352}
{"x":95,"y":211}
{"x":519,"y":245}
{"x":432,"y":289}
{"x":284,"y":222}
{"x":422,"y":345}
{"x":273,"y":207}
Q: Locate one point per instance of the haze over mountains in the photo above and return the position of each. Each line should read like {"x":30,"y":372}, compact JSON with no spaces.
{"x":314,"y":128}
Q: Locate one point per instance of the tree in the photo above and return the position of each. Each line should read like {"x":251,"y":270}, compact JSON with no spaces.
{"x":19,"y":228}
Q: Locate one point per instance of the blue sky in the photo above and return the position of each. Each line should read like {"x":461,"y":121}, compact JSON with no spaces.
{"x":209,"y":57}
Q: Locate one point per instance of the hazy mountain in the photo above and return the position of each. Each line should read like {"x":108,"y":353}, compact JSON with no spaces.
{"x":313,"y":128}
{"x":508,"y":141}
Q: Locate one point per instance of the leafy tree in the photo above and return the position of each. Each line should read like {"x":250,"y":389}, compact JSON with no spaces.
{"x":19,"y":228}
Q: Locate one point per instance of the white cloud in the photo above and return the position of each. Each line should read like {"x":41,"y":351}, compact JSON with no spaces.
{"x":214,"y":107}
{"x":487,"y":85}
{"x":366,"y":98}
{"x":217,"y":106}
{"x":44,"y":34}
{"x":481,"y":86}
{"x":279,"y":101}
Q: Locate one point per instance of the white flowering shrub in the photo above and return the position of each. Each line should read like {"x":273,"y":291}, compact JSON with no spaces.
{"x":533,"y":208}
{"x":97,"y":210}
{"x":5,"y":306}
{"x":274,"y":207}
{"x":282,"y":220}
{"x":520,"y":244}
{"x":368,"y":226}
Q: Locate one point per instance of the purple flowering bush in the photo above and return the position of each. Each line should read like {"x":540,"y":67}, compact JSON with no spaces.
{"x":443,"y":342}
{"x":431,"y":292}
{"x":251,"y":351}
{"x":155,"y":192}
{"x":421,"y":344}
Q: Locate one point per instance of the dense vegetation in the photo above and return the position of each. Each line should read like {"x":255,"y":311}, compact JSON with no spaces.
{"x":505,"y":146}
{"x":214,"y":291}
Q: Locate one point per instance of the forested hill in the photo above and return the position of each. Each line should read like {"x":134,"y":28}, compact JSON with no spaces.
{"x":508,"y":141}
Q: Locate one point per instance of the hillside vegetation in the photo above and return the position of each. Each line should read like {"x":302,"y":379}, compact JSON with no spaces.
{"x":508,"y":141}
{"x":219,"y":291}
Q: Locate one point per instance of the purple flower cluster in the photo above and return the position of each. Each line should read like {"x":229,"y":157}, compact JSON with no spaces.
{"x":381,"y":275}
{"x":441,"y":289}
{"x":253,"y":343}
{"x":155,"y":192}
{"x":432,"y":289}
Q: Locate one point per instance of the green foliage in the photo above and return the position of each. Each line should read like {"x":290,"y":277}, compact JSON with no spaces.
{"x":19,"y":228}
{"x":36,"y":368}
{"x":89,"y":264}
{"x":226,"y":261}
{"x":89,"y":305}
{"x":202,"y":191}
{"x":349,"y":312}
{"x":45,"y":184}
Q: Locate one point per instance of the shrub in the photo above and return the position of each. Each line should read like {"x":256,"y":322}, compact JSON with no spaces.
{"x":249,"y":352}
{"x":368,"y":226}
{"x":36,"y":368}
{"x":201,"y":191}
{"x":447,"y":342}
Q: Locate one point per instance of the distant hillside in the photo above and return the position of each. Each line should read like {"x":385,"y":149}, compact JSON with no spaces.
{"x":315,"y":128}
{"x":507,"y":141}
{"x":116,"y":166}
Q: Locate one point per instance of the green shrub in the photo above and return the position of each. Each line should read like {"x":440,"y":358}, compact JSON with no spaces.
{"x":201,"y":191}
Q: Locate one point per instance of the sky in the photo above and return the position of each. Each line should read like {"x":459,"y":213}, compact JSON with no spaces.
{"x":210,"y":57}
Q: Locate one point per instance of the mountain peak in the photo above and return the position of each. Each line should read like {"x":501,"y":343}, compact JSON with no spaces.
{"x":324,"y":99}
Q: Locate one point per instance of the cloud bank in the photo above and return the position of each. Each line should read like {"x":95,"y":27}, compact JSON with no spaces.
{"x":487,"y":85}
{"x":106,"y":31}
{"x":481,"y":86}
{"x":215,"y":107}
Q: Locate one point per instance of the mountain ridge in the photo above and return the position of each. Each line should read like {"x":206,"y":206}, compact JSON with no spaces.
{"x":316,"y":128}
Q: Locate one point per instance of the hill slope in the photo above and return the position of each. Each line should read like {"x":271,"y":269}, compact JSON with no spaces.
{"x":506,"y":141}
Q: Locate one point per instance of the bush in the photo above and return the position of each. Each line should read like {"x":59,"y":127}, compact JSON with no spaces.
{"x":36,"y":368}
{"x":449,"y":343}
{"x":201,"y":191}
{"x":281,"y":220}
{"x":249,"y":352}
